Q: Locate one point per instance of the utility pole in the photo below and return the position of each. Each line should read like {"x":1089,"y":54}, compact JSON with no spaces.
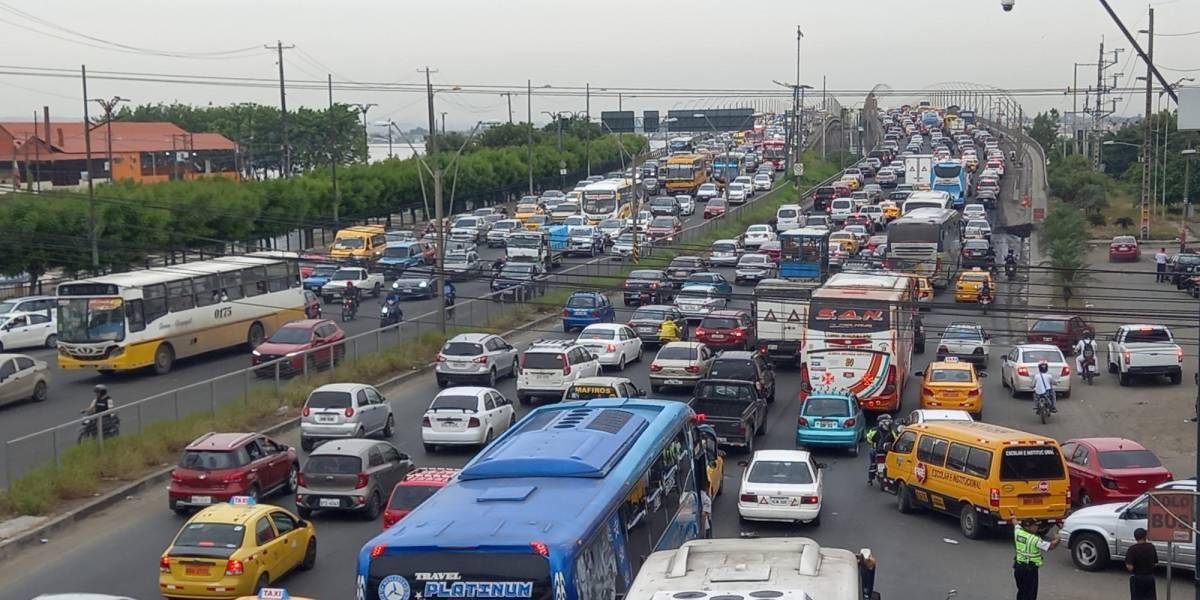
{"x":108,"y":106}
{"x":509,"y":95}
{"x":800,"y":112}
{"x":1188,"y":155}
{"x":285,"y":149}
{"x":362,"y":108}
{"x":443,"y":113}
{"x":1075,"y":107}
{"x":1147,"y":155}
{"x":529,"y":116}
{"x":1096,"y":111}
{"x":587,"y":111}
{"x":87,"y":146}
{"x":438,"y":211}
{"x":333,"y":158}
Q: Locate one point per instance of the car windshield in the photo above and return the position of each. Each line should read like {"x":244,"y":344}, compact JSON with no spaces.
{"x":208,"y":460}
{"x":678,"y":353}
{"x":408,"y":497}
{"x":685,"y":262}
{"x":1050,"y":326}
{"x":716,"y":203}
{"x":501,"y":225}
{"x":469,"y":222}
{"x":598,"y":334}
{"x":582,"y":301}
{"x":397,"y":252}
{"x":455,"y":402}
{"x":1129,"y":459}
{"x":649,"y":314}
{"x":1036,"y":356}
{"x":291,"y":335}
{"x":695,"y":293}
{"x":780,"y":472}
{"x":462,"y":349}
{"x":787,"y":213}
{"x":754,"y":259}
{"x":949,"y":376}
{"x":332,"y":464}
{"x":328,"y":399}
{"x":458,"y":257}
{"x":516,"y":271}
{"x":826,"y":407}
{"x":350,"y":243}
{"x":581,"y":231}
{"x":980,"y":245}
{"x":612,"y":224}
{"x":210,"y":535}
{"x":733,"y":368}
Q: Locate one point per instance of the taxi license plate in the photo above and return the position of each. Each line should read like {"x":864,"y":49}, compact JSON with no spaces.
{"x":201,"y":499}
{"x":326,"y":419}
{"x":674,"y":382}
{"x":1027,"y":500}
{"x":329,"y":503}
{"x":779,"y":501}
{"x":197,"y":571}
{"x":826,"y":424}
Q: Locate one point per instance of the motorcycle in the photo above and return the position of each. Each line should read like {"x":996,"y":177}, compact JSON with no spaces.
{"x":390,"y":313}
{"x":1010,"y":271}
{"x":349,"y":308}
{"x":985,"y":300}
{"x":1088,"y":372}
{"x":87,"y":428}
{"x":876,"y":467}
{"x":1042,"y":407}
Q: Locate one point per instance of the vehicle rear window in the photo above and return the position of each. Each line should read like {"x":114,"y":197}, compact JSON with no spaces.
{"x":211,"y":535}
{"x":598,"y":334}
{"x":643,"y":314}
{"x":733,"y":368}
{"x":685,"y":262}
{"x":408,"y":497}
{"x":332,"y":464}
{"x":466,"y":403}
{"x":208,"y":460}
{"x":826,"y":407}
{"x":1144,"y":336}
{"x":462,"y":349}
{"x":1129,"y":459}
{"x":542,"y":360}
{"x":678,"y":353}
{"x":787,"y":214}
{"x":646,"y":275}
{"x":780,"y":472}
{"x":1022,"y":463}
{"x":329,"y":400}
{"x":1050,"y":326}
{"x":582,"y":302}
{"x":1035,"y":356}
{"x":718,"y":323}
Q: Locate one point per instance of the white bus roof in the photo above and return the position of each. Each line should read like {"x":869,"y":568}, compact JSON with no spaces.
{"x":796,"y":564}
{"x":608,"y":185}
{"x":927,"y":214}
{"x":152,"y":276}
{"x":929,"y":195}
{"x":879,"y":281}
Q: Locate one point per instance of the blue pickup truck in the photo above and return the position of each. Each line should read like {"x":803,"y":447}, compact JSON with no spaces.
{"x":320,"y":275}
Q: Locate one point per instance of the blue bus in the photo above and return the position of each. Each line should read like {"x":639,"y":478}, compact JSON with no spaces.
{"x":567,"y":504}
{"x":950,"y":176}
{"x":727,"y":167}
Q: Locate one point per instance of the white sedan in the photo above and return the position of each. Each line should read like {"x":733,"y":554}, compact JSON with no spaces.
{"x":757,"y":235}
{"x":974,"y":211}
{"x":781,"y":485}
{"x":737,"y":193}
{"x":1019,"y":365}
{"x":977,"y":229}
{"x":614,"y":344}
{"x":468,"y":415}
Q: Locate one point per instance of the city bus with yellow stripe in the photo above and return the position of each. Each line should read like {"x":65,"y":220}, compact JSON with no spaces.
{"x":608,"y":199}
{"x":152,"y":317}
{"x":686,"y":173}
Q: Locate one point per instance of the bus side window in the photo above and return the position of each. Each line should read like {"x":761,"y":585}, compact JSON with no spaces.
{"x":207,"y":290}
{"x":231,"y":285}
{"x":180,"y":295}
{"x":278,"y":277}
{"x":155,"y":299}
{"x":137,"y":318}
{"x":254,"y":281}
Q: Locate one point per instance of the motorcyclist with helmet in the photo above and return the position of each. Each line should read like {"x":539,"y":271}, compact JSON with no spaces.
{"x":101,"y":403}
{"x":1010,"y":264}
{"x":985,"y":293}
{"x":668,"y":332}
{"x":350,"y":299}
{"x":1043,"y":385}
{"x":1085,"y":352}
{"x":879,"y":440}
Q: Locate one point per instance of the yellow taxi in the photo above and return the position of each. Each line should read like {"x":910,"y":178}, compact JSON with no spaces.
{"x":891,"y":210}
{"x":846,"y":240}
{"x":715,"y":457}
{"x":535,"y":222}
{"x":525,"y":210}
{"x":972,"y":163}
{"x":951,"y":384}
{"x":235,"y":549}
{"x":968,"y":284}
{"x":921,"y":186}
{"x":852,"y":183}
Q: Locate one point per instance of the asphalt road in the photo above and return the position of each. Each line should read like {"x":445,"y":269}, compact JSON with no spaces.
{"x":920,"y":556}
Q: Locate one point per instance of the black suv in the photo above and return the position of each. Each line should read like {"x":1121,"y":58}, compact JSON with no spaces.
{"x":745,"y":366}
{"x":975,"y":254}
{"x":1182,"y":267}
{"x":682,"y":267}
{"x":647,"y":320}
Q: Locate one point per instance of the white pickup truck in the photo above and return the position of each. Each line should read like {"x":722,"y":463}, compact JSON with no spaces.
{"x":365,"y":281}
{"x":1136,"y":350}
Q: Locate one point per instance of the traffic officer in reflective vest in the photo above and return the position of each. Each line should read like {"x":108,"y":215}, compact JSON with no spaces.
{"x":1029,"y":547}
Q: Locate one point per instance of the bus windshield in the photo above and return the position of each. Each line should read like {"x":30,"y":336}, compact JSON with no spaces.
{"x":947,"y":171}
{"x":83,"y":320}
{"x":680,"y":171}
{"x":597,"y":204}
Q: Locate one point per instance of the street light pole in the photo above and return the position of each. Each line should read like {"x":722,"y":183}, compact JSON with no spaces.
{"x":87,"y":144}
{"x":1188,"y":155}
{"x":363,"y":108}
{"x":108,"y":106}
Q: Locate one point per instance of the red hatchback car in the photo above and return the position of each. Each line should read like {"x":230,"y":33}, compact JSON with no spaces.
{"x":219,"y":466}
{"x":715,"y":208}
{"x":296,"y":337}
{"x":1111,"y":470}
{"x":1124,"y":248}
{"x":1060,"y":330}
{"x":723,"y":329}
{"x":415,"y":488}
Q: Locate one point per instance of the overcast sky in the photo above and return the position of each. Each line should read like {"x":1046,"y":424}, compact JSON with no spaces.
{"x":725,"y":44}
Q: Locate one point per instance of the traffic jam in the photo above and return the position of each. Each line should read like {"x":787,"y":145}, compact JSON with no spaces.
{"x":856,"y":318}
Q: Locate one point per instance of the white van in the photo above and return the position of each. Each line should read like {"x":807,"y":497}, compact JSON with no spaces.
{"x":787,"y":217}
{"x":840,"y":209}
{"x":926,"y":200}
{"x":785,"y":568}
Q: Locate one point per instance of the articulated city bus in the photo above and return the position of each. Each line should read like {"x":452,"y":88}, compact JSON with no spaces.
{"x":860,"y":338}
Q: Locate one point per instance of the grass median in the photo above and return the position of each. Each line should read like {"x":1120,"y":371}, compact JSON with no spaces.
{"x":88,"y":469}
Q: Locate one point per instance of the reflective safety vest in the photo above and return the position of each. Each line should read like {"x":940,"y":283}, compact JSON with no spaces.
{"x":1028,"y":552}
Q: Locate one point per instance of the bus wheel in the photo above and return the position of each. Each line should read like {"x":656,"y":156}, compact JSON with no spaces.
{"x":164,"y":359}
{"x":256,"y":336}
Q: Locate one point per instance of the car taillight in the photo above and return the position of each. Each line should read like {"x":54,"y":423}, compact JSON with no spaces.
{"x":1023,"y":371}
{"x":849,"y":423}
{"x":481,"y":360}
{"x":994,"y":497}
{"x":234,"y":567}
{"x":889,"y":384}
{"x":762,"y":349}
{"x":164,"y":564}
{"x":364,"y":479}
{"x":1179,"y":353}
{"x":305,"y":412}
{"x":378,"y":550}
{"x":810,"y":499}
{"x":802,"y":422}
{"x":389,"y":519}
{"x":1128,"y":357}
{"x":748,"y":498}
{"x":566,"y":312}
{"x":611,"y":348}
{"x":805,"y":385}
{"x":654,"y":367}
{"x":473,"y":422}
{"x":566,"y":365}
{"x":300,"y":479}
{"x":441,"y":357}
{"x":1108,"y":483}
{"x":701,"y":332}
{"x":692,"y":368}
{"x":349,"y":411}
{"x":234,"y":477}
{"x":739,"y":332}
{"x":425,"y":422}
{"x":1066,"y":371}
{"x":973,"y":393}
{"x":542,"y":549}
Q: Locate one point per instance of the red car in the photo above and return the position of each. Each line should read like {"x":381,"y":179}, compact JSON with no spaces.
{"x":1063,"y":331}
{"x":415,"y":488}
{"x":1124,"y":248}
{"x":665,"y":228}
{"x":772,"y":249}
{"x":876,"y":241}
{"x":294,"y":338}
{"x":218,"y":466}
{"x":727,"y":329}
{"x":861,"y":219}
{"x":1111,"y":470}
{"x":715,"y":208}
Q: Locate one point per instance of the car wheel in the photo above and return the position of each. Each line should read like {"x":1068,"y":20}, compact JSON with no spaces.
{"x":442,"y":382}
{"x":854,"y":448}
{"x":39,"y":392}
{"x":1084,"y":498}
{"x":373,"y":507}
{"x":306,"y":444}
{"x":487,"y":439}
{"x":304,"y":512}
{"x":903,"y":499}
{"x":254,"y":492}
{"x":52,"y":340}
{"x":968,"y":521}
{"x":430,"y":448}
{"x":1176,"y":378}
{"x":816,"y":522}
{"x":1112,"y":368}
{"x":263,"y":581}
{"x":639,"y":355}
{"x":491,"y":379}
{"x":389,"y":428}
{"x":1123,"y":379}
{"x":512,"y":372}
{"x":621,"y":363}
{"x":655,"y":388}
{"x":1089,"y":552}
{"x":566,"y":328}
{"x":293,"y":479}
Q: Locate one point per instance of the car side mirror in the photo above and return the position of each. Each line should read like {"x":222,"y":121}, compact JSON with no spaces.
{"x":743,"y":464}
{"x":919,"y":373}
{"x":983,"y":374}
{"x":822,"y":465}
{"x":639,"y":392}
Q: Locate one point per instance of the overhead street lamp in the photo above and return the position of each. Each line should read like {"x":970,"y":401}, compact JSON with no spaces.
{"x":108,"y":106}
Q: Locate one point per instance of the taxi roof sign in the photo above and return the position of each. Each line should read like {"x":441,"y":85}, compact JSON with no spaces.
{"x":951,"y":359}
{"x":242,"y":501}
{"x":273,"y":594}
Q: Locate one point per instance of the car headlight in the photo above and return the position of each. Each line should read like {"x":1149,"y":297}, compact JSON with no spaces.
{"x":256,"y":353}
{"x":424,"y":284}
{"x":291,"y":354}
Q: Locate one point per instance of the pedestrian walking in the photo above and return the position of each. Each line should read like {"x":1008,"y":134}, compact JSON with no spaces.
{"x":1160,"y":265}
{"x":1140,"y":560}
{"x":1029,"y":548}
{"x":706,"y":514}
